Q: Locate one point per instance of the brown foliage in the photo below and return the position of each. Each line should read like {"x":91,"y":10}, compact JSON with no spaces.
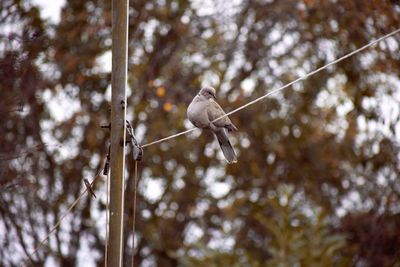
{"x":331,"y":139}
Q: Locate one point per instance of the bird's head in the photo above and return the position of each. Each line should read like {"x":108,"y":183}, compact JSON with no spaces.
{"x":208,"y":92}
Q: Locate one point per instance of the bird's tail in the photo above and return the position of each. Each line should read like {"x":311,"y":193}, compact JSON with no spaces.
{"x":226,"y":146}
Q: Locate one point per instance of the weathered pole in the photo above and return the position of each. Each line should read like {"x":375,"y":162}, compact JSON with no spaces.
{"x":118,"y":113}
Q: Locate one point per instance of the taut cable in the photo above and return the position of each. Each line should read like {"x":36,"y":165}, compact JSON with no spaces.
{"x":281,"y":88}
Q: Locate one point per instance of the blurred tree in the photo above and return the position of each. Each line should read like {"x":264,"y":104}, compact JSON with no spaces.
{"x":292,"y":238}
{"x":330,"y":139}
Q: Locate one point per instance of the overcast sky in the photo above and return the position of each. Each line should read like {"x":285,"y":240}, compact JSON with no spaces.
{"x":50,"y":9}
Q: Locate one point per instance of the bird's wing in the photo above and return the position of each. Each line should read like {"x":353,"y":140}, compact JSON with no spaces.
{"x":215,"y":111}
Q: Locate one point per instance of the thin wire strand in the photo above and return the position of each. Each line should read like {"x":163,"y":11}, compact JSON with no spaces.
{"x":283,"y":87}
{"x":169,"y":137}
{"x":135,"y":183}
{"x":107,"y":217}
{"x":63,"y":217}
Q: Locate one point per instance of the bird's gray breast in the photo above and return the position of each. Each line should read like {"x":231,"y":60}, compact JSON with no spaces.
{"x":197,"y":113}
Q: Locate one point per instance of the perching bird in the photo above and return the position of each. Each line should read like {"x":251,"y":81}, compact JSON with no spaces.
{"x":203,"y":110}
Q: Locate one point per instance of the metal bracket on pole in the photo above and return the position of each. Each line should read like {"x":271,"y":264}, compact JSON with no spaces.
{"x":107,"y":163}
{"x":137,"y":150}
{"x":106,"y":168}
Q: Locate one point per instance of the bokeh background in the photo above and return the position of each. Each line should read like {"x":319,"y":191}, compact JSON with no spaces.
{"x":317,"y":179}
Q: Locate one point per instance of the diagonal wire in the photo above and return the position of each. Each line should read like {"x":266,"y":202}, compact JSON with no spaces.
{"x":107,"y":218}
{"x":135,"y":183}
{"x":283,"y":87}
{"x":63,"y":217}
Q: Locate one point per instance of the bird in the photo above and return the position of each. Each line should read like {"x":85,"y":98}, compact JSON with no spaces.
{"x":202,"y":112}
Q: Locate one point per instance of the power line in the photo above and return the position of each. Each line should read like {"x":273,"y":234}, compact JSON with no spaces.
{"x":283,"y":87}
{"x":63,"y":216}
{"x":170,"y":137}
{"x":107,"y":216}
{"x":135,"y":183}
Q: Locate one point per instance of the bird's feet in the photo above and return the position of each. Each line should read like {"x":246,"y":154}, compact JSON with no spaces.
{"x":213,"y":127}
{"x":231,"y":127}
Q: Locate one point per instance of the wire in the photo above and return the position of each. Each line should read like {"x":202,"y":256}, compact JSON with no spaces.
{"x":170,"y":137}
{"x":283,"y":87}
{"x":63,"y":217}
{"x":135,"y":183}
{"x":107,"y":217}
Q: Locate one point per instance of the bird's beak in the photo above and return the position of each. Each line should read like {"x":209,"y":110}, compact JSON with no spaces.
{"x":214,"y":96}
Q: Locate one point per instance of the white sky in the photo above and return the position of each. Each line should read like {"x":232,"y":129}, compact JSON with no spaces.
{"x":50,"y":9}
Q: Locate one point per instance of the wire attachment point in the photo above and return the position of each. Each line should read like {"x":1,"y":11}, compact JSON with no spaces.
{"x":89,"y":187}
{"x":107,"y":163}
{"x":106,"y":126}
{"x":137,"y":150}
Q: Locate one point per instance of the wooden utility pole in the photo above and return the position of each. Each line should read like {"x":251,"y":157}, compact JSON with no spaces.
{"x":118,"y":113}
